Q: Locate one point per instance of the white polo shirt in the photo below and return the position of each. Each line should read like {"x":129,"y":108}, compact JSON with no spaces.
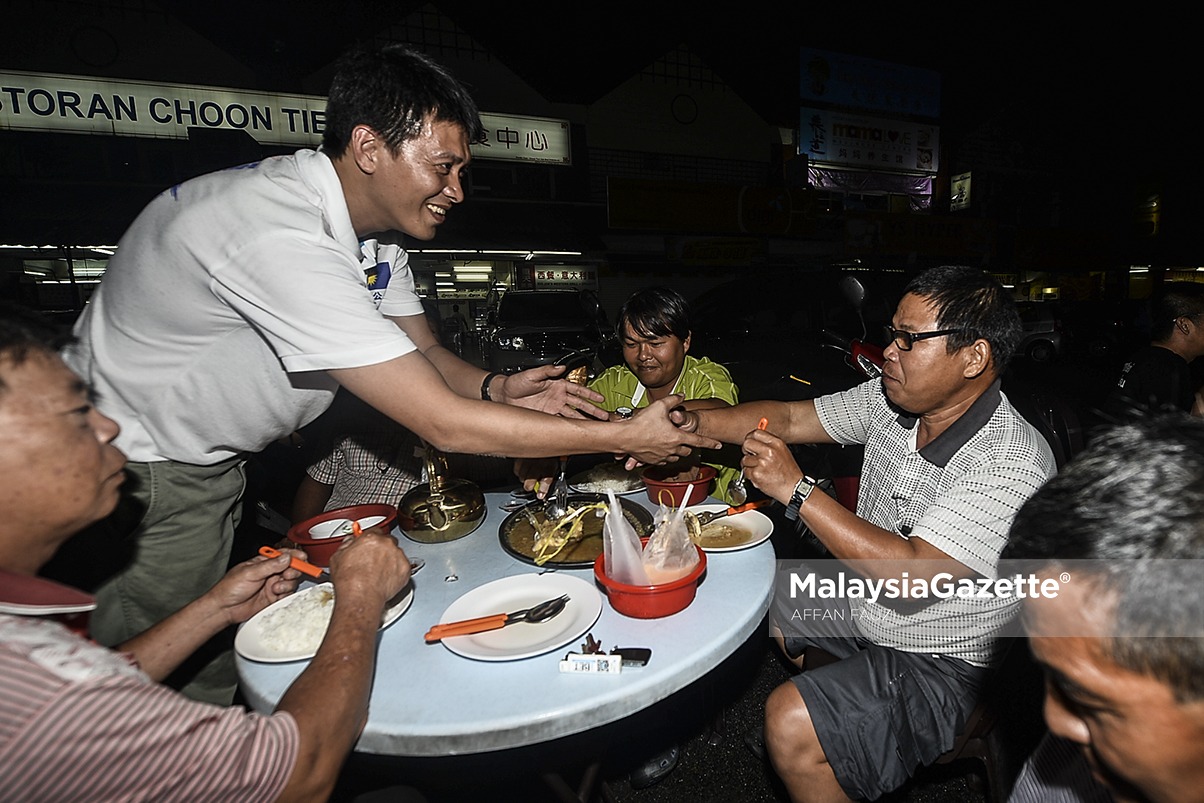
{"x":229,"y":298}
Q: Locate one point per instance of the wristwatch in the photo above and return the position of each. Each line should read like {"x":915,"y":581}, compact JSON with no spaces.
{"x":801,"y":491}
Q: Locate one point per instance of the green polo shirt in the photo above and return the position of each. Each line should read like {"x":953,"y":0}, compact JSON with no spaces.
{"x":699,"y":379}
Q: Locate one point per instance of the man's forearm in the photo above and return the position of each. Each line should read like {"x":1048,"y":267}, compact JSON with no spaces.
{"x":731,"y":424}
{"x":329,"y":700}
{"x":704,"y":404}
{"x":879,"y":553}
{"x":461,"y":376}
{"x":164,"y":646}
{"x":793,"y":422}
{"x":410,"y":390}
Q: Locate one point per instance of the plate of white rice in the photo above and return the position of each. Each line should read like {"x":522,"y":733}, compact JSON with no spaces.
{"x":292,"y":629}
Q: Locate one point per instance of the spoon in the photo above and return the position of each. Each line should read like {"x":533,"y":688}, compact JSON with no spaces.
{"x":305,"y":567}
{"x":557,"y":505}
{"x":738,"y":492}
{"x":707,"y":516}
{"x":331,"y":529}
{"x":536,"y":614}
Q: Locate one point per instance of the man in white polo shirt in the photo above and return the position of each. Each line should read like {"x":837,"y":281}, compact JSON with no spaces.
{"x":239,"y":301}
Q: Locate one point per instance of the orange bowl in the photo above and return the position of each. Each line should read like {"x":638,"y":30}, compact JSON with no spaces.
{"x":671,"y":493}
{"x":319,"y":545}
{"x":654,"y":601}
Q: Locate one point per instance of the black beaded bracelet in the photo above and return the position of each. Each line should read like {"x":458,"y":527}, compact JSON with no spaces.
{"x":485,"y":385}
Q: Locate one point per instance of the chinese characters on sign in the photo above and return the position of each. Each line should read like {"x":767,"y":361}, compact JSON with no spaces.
{"x":566,"y":276}
{"x":843,"y":139}
{"x":524,"y":139}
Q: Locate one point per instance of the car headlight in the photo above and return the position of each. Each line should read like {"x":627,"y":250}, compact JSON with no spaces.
{"x":511,"y":343}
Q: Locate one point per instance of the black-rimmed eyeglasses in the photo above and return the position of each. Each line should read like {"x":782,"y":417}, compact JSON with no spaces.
{"x":905,"y":340}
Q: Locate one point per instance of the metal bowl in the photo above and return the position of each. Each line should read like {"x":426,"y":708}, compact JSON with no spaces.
{"x":516,"y":532}
{"x":456,"y":509}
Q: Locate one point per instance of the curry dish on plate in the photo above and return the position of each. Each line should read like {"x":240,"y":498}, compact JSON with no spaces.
{"x":517,"y":533}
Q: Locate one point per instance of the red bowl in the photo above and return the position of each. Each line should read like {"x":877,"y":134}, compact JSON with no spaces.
{"x":673,"y":493}
{"x":655,"y":601}
{"x":319,"y":550}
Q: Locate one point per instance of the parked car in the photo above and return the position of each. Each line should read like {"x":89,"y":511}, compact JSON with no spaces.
{"x":538,"y":327}
{"x":1042,"y":324}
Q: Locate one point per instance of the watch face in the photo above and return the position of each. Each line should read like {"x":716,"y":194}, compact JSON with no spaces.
{"x":801,"y":491}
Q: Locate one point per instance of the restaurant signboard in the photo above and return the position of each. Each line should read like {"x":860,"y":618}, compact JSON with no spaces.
{"x":516,"y":138}
{"x":845,"y":139}
{"x":79,"y":104}
{"x":577,"y":277}
{"x":86,"y":105}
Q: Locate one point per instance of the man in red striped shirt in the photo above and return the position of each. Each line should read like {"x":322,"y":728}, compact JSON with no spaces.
{"x":81,"y":722}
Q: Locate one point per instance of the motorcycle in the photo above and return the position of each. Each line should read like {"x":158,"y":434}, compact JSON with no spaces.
{"x":864,"y":356}
{"x":840,"y":466}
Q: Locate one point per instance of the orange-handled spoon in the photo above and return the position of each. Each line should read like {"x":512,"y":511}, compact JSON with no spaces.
{"x":707,"y":516}
{"x":296,"y":563}
{"x":536,"y":614}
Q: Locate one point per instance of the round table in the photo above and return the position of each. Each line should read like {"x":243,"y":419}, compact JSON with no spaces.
{"x":429,"y":701}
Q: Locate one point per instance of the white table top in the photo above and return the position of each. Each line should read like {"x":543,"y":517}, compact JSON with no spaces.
{"x":428,"y":701}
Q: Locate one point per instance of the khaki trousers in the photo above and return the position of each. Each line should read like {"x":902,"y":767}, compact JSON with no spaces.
{"x":181,"y":547}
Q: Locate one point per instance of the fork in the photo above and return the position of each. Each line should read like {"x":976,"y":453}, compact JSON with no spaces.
{"x":536,"y":614}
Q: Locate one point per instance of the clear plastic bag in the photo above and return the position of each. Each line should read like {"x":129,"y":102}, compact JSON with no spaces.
{"x":669,"y":554}
{"x":621,"y":546}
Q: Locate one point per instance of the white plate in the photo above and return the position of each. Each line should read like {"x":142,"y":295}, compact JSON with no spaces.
{"x":602,"y":472}
{"x":250,"y":643}
{"x":523,"y":640}
{"x":754,"y":521}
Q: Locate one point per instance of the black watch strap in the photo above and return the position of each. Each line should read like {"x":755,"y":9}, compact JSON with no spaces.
{"x":492,"y":375}
{"x":801,"y":491}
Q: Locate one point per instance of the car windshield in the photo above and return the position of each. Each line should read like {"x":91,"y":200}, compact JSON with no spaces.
{"x":539,"y":308}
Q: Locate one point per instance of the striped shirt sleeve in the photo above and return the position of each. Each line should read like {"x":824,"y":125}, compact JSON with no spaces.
{"x":74,"y":727}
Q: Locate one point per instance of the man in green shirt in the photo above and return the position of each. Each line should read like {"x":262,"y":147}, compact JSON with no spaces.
{"x":654,"y":331}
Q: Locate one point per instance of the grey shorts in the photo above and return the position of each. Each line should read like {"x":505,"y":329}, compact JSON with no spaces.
{"x":879,"y":712}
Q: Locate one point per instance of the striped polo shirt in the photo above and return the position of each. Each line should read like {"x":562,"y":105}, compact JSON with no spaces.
{"x":81,"y":722}
{"x":959,"y":493}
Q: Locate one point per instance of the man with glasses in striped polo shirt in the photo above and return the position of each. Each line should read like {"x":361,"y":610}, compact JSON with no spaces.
{"x":948,"y":462}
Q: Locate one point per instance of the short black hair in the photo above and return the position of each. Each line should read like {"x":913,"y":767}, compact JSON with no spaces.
{"x":1133,"y":504}
{"x":394,"y":89}
{"x":976,"y":304}
{"x":1176,"y":300}
{"x":655,"y":312}
{"x":24,"y":330}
